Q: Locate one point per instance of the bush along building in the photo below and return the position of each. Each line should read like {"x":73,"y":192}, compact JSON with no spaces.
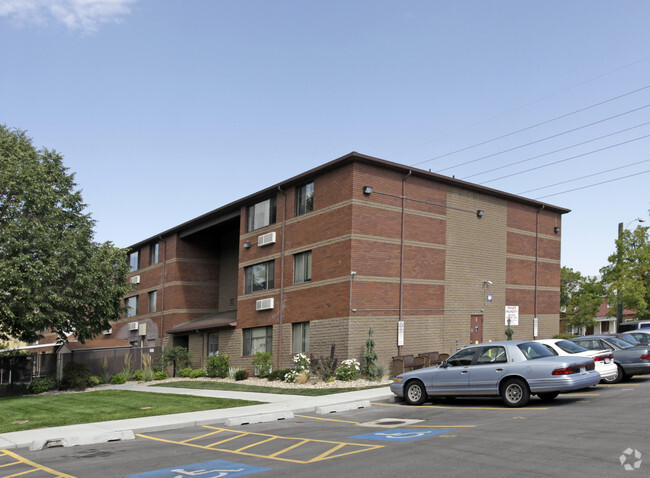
{"x":429,"y":262}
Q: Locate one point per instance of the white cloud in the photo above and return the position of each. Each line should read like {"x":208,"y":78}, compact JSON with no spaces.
{"x":83,"y":15}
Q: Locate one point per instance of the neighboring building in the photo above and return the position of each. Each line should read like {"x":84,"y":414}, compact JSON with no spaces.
{"x":429,"y":262}
{"x":605,"y":320}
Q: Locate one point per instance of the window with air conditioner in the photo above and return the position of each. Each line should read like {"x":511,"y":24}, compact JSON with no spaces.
{"x":259,"y":277}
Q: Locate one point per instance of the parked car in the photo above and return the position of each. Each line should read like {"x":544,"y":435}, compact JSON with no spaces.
{"x":641,"y":335}
{"x":627,"y":337}
{"x":513,"y":370}
{"x":630,"y":360}
{"x":633,"y":325}
{"x":604,"y":360}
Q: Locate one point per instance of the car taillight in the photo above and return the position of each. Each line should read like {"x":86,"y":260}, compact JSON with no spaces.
{"x":573,"y":369}
{"x":645,"y":357}
{"x":600,"y":358}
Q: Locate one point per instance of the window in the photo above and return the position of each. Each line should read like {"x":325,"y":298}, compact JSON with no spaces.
{"x":258,"y":339}
{"x":153,"y":253}
{"x":305,"y":199}
{"x":131,"y":303}
{"x":213,"y":343}
{"x":302,"y":267}
{"x":534,"y":350}
{"x":300,"y":338}
{"x":261,"y":214}
{"x":134,"y":261}
{"x":153,"y":301}
{"x":462,"y":358}
{"x":492,"y":354}
{"x":259,"y":277}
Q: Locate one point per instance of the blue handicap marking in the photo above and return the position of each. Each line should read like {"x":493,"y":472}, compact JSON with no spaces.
{"x":400,"y":434}
{"x":206,"y":469}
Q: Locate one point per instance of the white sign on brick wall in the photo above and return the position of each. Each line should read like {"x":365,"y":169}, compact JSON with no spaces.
{"x":400,"y":332}
{"x":512,"y":314}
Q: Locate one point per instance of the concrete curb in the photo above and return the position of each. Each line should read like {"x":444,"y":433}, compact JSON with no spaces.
{"x":38,"y":445}
{"x":342,"y":407}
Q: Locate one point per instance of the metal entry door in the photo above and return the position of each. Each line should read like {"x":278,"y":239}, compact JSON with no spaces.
{"x":476,"y":329}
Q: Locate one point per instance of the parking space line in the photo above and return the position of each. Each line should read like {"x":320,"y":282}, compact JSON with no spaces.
{"x":325,"y":449}
{"x":34,"y":466}
{"x":328,"y":419}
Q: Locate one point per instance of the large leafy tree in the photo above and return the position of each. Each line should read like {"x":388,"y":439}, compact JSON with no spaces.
{"x":628,"y":273}
{"x":580,"y":297}
{"x":53,"y":275}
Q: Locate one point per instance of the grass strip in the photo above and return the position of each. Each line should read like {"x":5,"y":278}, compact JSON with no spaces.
{"x":240,"y":387}
{"x":103,"y":405}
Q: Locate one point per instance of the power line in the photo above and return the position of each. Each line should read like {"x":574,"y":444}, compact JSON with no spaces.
{"x":568,"y":159}
{"x":544,"y":139}
{"x":556,"y":151}
{"x":592,"y":185}
{"x":535,"y":125}
{"x":585,"y":177}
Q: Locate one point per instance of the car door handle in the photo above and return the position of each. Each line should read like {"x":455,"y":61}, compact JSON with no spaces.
{"x":499,"y":370}
{"x":464,"y":371}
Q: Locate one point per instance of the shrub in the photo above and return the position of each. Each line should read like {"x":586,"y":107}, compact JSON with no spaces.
{"x":369,"y":357}
{"x":94,"y":380}
{"x":278,"y":374}
{"x":218,"y":365}
{"x":262,"y":363}
{"x":199,"y":372}
{"x":176,"y":356}
{"x":160,"y":375}
{"x":325,"y":367}
{"x":41,"y":385}
{"x":118,"y":379}
{"x":348,"y":370}
{"x":380,"y":372}
{"x":185,"y":372}
{"x":148,"y":373}
{"x":106,"y":375}
{"x":126,"y":367}
{"x":76,"y":376}
{"x":241,"y":374}
{"x":138,"y":375}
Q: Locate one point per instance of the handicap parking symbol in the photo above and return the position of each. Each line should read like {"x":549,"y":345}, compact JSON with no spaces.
{"x":206,"y":469}
{"x":400,"y":434}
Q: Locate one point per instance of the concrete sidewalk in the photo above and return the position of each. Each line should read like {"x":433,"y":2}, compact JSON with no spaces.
{"x":276,"y":407}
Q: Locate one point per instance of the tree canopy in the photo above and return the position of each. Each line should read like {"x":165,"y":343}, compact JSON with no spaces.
{"x":53,"y":275}
{"x":628,"y":273}
{"x":580,"y":297}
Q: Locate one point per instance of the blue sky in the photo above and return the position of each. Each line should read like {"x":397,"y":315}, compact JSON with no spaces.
{"x":174,"y":108}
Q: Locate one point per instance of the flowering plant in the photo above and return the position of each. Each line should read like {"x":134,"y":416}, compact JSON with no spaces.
{"x":348,"y":370}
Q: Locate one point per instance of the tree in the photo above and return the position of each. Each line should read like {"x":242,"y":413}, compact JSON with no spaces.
{"x":53,"y":276}
{"x":628,"y":273}
{"x":580,"y":298}
{"x":176,"y":356}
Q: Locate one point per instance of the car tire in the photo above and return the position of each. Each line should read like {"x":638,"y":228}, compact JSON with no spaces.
{"x":548,"y":396}
{"x":415,"y":393}
{"x":515,"y":393}
{"x":620,"y":374}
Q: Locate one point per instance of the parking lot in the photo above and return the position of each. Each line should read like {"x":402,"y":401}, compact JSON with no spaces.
{"x":602,"y":431}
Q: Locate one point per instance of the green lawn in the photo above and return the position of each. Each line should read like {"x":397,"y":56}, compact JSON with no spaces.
{"x":240,"y":387}
{"x":73,"y":408}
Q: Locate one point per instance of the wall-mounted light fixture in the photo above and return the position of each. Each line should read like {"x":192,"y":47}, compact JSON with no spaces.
{"x":556,"y":229}
{"x":480,"y":213}
{"x":367,"y":190}
{"x":247,"y":245}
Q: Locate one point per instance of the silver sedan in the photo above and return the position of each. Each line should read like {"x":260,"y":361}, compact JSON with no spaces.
{"x":512,"y":370}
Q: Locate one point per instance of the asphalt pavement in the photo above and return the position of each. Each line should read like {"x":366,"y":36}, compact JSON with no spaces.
{"x":275,"y":407}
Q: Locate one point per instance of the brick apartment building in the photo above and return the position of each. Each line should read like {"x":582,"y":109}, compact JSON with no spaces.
{"x":429,"y":262}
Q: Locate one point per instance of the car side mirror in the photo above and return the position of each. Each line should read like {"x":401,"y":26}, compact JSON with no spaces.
{"x":444,"y":364}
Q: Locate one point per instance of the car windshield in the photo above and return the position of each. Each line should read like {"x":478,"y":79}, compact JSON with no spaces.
{"x":534,"y":350}
{"x":621,"y":344}
{"x":629,"y":338}
{"x":570,"y":347}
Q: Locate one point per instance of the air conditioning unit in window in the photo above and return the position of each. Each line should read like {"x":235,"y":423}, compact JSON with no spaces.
{"x":133,"y":326}
{"x":135,"y":280}
{"x":142,"y":329}
{"x":108,"y":331}
{"x":266,"y":239}
{"x":264,"y":304}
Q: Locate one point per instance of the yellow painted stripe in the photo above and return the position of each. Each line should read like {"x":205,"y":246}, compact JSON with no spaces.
{"x":328,"y":419}
{"x":328,"y":453}
{"x":11,"y":464}
{"x":35,"y":465}
{"x":202,"y":436}
{"x":295,"y":445}
{"x":228,"y":439}
{"x":255,"y":444}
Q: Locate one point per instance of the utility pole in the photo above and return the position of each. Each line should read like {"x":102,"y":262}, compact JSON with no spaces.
{"x":619,"y":304}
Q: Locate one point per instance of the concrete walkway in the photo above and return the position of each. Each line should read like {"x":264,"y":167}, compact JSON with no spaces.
{"x":276,"y":407}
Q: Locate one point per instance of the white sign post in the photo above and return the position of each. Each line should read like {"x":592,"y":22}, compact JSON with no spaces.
{"x":400,"y":333}
{"x":512,"y":315}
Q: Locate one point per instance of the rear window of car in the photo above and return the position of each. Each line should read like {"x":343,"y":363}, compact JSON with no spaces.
{"x":620,"y":343}
{"x":570,"y":347}
{"x":534,"y":350}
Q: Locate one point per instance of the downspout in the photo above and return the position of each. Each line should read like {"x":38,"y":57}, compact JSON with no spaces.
{"x":284,"y":217}
{"x":162,"y":298}
{"x":536,"y":265}
{"x":401,"y":258}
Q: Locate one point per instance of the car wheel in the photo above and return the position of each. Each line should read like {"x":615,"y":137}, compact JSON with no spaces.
{"x":617,"y":378}
{"x":548,"y":396}
{"x":515,"y":393}
{"x":414,"y":393}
